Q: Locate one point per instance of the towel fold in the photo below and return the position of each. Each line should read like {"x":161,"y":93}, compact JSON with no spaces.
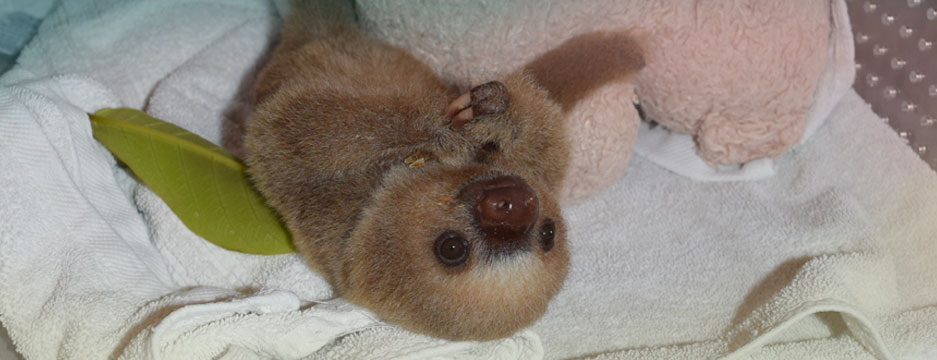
{"x":834,"y":252}
{"x":830,"y":258}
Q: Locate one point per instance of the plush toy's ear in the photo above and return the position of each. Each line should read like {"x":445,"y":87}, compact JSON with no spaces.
{"x":586,"y":62}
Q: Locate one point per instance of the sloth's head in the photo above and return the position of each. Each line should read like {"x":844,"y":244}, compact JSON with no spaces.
{"x":461,"y":253}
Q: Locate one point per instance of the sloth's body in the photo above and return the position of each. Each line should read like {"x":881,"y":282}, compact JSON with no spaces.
{"x":434,"y":210}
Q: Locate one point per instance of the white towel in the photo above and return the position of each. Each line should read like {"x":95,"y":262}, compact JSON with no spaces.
{"x":831,"y":258}
{"x":837,"y":251}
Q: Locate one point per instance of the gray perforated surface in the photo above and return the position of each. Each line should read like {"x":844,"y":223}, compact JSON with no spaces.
{"x":896,"y":67}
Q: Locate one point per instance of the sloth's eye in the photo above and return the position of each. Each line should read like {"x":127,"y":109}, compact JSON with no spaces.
{"x":547,"y":234}
{"x":451,"y":248}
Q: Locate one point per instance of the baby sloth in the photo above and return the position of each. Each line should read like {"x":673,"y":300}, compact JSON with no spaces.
{"x":434,"y":210}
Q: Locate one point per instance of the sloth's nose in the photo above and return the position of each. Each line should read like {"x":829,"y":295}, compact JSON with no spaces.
{"x":505,"y":208}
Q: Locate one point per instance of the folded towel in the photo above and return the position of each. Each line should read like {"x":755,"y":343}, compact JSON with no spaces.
{"x":831,"y":258}
{"x":834,"y":252}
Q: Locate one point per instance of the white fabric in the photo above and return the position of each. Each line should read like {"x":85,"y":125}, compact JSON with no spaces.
{"x":35,"y":8}
{"x":677,"y":152}
{"x":834,"y":252}
{"x":831,"y":258}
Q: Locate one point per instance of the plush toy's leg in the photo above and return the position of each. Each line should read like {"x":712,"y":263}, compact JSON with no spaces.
{"x":721,"y":141}
{"x":602,"y":132}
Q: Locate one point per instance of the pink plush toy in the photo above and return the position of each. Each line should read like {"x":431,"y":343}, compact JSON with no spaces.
{"x":737,"y":76}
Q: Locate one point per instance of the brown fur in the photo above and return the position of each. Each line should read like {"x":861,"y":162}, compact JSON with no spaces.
{"x":338,"y":113}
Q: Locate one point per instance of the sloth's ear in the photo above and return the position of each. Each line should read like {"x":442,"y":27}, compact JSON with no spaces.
{"x":584,"y":63}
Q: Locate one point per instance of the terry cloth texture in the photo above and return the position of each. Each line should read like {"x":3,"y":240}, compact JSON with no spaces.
{"x":831,"y":258}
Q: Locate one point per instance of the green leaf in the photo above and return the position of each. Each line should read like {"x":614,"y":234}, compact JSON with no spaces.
{"x":204,"y":184}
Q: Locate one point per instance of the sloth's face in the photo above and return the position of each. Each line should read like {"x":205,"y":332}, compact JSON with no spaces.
{"x":463,"y":253}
